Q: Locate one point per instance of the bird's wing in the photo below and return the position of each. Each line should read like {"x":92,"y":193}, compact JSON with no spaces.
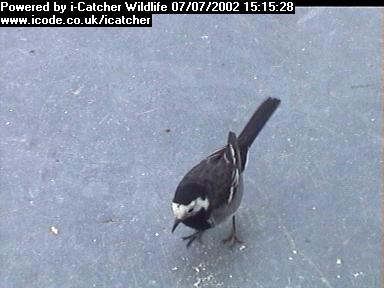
{"x":219,"y":173}
{"x":224,"y":168}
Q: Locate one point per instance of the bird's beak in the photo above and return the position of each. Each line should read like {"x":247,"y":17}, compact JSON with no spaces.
{"x":177,"y":222}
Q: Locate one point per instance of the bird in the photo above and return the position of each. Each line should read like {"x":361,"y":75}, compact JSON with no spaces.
{"x":211,"y":192}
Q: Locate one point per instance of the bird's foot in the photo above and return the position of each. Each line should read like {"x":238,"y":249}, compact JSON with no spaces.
{"x":232,"y":239}
{"x":197,"y":235}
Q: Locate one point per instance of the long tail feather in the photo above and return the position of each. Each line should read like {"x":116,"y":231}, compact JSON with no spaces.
{"x":255,"y":125}
{"x":257,"y":121}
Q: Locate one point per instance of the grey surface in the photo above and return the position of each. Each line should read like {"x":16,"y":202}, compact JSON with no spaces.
{"x":84,"y":149}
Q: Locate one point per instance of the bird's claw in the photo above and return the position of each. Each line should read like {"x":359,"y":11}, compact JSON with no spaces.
{"x":232,"y":240}
{"x":192,"y":238}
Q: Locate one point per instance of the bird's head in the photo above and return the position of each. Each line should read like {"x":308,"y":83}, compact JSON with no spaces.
{"x":189,"y":200}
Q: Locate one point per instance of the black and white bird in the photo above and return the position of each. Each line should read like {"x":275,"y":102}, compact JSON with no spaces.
{"x":211,"y":192}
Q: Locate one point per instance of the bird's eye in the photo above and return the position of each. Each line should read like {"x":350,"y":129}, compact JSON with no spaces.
{"x":190,"y":210}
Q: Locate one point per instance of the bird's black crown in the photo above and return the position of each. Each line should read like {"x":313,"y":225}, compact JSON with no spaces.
{"x":185,"y":194}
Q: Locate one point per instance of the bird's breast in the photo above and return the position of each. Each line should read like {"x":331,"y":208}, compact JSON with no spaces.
{"x":198,"y":222}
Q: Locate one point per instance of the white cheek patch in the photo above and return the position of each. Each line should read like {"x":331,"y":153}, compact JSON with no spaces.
{"x":201,"y":204}
{"x":182,"y":211}
{"x":179,"y":210}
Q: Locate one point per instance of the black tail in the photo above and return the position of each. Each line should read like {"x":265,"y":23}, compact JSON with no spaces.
{"x":256,"y":124}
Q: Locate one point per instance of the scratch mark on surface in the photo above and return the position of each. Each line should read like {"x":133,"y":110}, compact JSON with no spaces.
{"x":289,"y":282}
{"x":305,"y":258}
{"x":93,"y":265}
{"x":41,"y":112}
{"x":134,"y":278}
{"x":31,"y":237}
{"x":291,"y":241}
{"x":161,"y":268}
{"x":357,"y":86}
{"x":321,"y":274}
{"x":308,"y":16}
{"x":103,"y":239}
{"x":329,"y":129}
{"x":146,"y":112}
{"x":373,"y":276}
{"x":320,"y":172}
{"x":102,"y":120}
{"x":26,"y":209}
{"x":77,"y":90}
{"x":197,"y":283}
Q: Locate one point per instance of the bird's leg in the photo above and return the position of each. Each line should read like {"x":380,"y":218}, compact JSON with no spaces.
{"x":232,"y":238}
{"x":193,"y":237}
